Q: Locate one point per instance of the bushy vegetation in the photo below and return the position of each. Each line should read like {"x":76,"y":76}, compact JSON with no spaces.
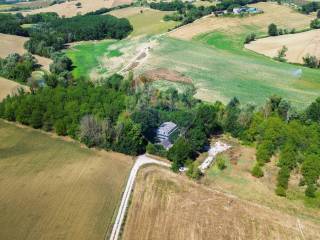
{"x":311,"y":61}
{"x":17,"y":67}
{"x":11,"y":24}
{"x":310,"y":7}
{"x":315,"y":23}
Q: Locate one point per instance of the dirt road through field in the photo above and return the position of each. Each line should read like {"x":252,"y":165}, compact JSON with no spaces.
{"x":142,"y":160}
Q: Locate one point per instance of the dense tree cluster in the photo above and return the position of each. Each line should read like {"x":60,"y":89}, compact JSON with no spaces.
{"x":49,"y":37}
{"x":17,"y":67}
{"x":11,"y":24}
{"x":310,"y":7}
{"x":279,"y":130}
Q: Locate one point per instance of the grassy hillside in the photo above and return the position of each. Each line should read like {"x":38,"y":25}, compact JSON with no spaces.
{"x":221,"y":69}
{"x":53,"y":189}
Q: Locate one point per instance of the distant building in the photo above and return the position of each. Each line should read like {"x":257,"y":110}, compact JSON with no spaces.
{"x":164,"y":132}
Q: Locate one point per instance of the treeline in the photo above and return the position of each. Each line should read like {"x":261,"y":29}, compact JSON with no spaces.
{"x":278,"y":129}
{"x":50,"y":37}
{"x":231,"y":4}
{"x":11,"y":24}
{"x":18,"y":68}
{"x":310,"y":7}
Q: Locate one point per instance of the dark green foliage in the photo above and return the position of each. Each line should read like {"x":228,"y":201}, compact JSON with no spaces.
{"x":11,"y":24}
{"x":149,"y":119}
{"x":156,"y":149}
{"x":280,"y":191}
{"x":49,"y":37}
{"x":273,"y":30}
{"x":249,"y":38}
{"x":311,"y":61}
{"x":40,"y":17}
{"x":310,"y":7}
{"x":313,"y":111}
{"x":257,"y":171}
{"x":17,"y":67}
{"x":180,"y":152}
{"x":311,"y":191}
{"x":168,"y":6}
{"x":315,"y":23}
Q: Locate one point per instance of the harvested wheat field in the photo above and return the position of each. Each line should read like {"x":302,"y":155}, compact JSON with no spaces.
{"x":56,"y":189}
{"x":69,"y":8}
{"x":14,"y":44}
{"x":299,"y":45}
{"x":169,"y":206}
{"x":127,"y":12}
{"x":283,"y":16}
{"x":8,"y":87}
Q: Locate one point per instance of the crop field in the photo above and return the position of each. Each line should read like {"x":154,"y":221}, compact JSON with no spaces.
{"x":56,"y":189}
{"x":220,"y":70}
{"x":169,"y":206}
{"x":69,"y":8}
{"x":150,"y":22}
{"x":299,"y":45}
{"x":14,"y":44}
{"x":8,"y":87}
{"x":283,"y":16}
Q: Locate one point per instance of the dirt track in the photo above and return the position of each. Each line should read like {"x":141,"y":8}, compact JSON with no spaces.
{"x":299,"y":45}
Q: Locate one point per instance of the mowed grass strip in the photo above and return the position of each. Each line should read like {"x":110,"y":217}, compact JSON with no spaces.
{"x":53,"y":189}
{"x":86,"y":56}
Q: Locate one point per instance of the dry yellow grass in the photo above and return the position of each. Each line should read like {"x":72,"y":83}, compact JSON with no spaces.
{"x":299,"y":45}
{"x":168,"y":206}
{"x":53,"y":189}
{"x":8,"y":87}
{"x":14,"y":44}
{"x":127,"y":12}
{"x":69,"y":8}
{"x":283,"y":16}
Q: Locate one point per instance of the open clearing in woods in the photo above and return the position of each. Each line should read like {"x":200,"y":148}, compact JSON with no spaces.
{"x":69,"y":8}
{"x":8,"y":87}
{"x":53,"y":189}
{"x":299,"y":45}
{"x":14,"y":44}
{"x":283,"y":16}
{"x":169,"y":206}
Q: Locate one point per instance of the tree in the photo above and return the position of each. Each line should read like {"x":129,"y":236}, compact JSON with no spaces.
{"x":257,"y":171}
{"x":311,"y":61}
{"x":36,"y":119}
{"x":315,"y":23}
{"x":221,"y":162}
{"x":179,"y":152}
{"x":273,"y":30}
{"x":318,"y":14}
{"x":60,"y":127}
{"x":282,"y":54}
{"x":194,"y":171}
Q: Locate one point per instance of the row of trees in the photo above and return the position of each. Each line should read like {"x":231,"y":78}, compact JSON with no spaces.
{"x":50,"y":37}
{"x":278,"y":129}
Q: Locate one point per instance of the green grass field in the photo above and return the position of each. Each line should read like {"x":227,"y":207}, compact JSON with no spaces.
{"x":150,"y":22}
{"x":54,"y":189}
{"x":85,"y":57}
{"x":221,"y":69}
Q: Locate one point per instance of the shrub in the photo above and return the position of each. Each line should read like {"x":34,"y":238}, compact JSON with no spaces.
{"x":311,"y":191}
{"x":249,"y":38}
{"x":315,"y":23}
{"x":156,"y":149}
{"x":194,"y":171}
{"x":282,"y":54}
{"x":273,"y":30}
{"x":280,"y":191}
{"x":311,"y":61}
{"x":221,"y":162}
{"x":257,"y":171}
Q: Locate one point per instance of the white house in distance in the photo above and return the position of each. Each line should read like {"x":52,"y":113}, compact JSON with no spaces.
{"x":164,"y":132}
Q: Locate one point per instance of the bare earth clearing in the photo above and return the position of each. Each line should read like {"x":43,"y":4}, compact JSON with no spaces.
{"x":69,"y":9}
{"x":8,"y":87}
{"x":170,"y":206}
{"x":166,"y":74}
{"x":54,"y":189}
{"x":14,"y":44}
{"x":299,"y":45}
{"x":283,"y":16}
